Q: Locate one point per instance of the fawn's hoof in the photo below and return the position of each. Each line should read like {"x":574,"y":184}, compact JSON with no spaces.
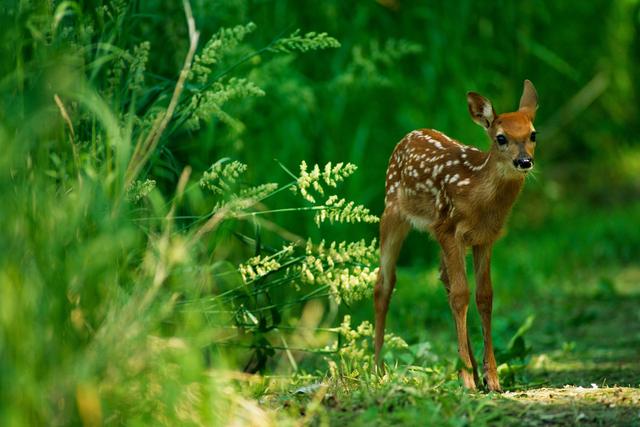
{"x":467,"y":380}
{"x":493,"y":384}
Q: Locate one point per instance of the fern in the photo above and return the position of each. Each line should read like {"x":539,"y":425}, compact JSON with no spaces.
{"x":221,"y":43}
{"x":368,"y":64}
{"x":138,"y":66}
{"x":260,"y":266}
{"x":138,"y":190}
{"x":207,"y":104}
{"x":257,"y":192}
{"x":340,"y":210}
{"x":341,"y":267}
{"x":304,"y":43}
{"x":312,"y":180}
{"x":222,"y":177}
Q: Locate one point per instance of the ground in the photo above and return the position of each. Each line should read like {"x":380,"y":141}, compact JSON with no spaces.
{"x":583,"y":369}
{"x":596,"y":383}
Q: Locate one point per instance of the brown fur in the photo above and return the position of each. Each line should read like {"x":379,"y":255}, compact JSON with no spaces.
{"x":462,"y":197}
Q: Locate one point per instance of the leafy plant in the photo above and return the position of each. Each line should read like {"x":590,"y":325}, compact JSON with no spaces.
{"x":102,"y":271}
{"x":513,"y":359}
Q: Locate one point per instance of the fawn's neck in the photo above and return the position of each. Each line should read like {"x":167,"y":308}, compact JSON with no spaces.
{"x":498,"y":183}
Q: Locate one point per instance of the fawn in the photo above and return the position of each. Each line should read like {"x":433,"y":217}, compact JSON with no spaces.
{"x":461,"y":196}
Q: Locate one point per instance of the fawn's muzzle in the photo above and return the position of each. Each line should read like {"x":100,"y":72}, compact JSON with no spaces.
{"x":523,"y":163}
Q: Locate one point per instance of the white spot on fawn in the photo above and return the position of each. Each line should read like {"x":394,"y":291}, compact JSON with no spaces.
{"x":479,"y":167}
{"x":436,"y":170}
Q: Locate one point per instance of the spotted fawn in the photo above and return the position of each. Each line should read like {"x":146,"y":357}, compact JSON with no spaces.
{"x":461,"y":196}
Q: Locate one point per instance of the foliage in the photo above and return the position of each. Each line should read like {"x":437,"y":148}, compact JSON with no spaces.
{"x":223,"y":41}
{"x":154,"y":253}
{"x":97,"y":264}
{"x":309,"y":41}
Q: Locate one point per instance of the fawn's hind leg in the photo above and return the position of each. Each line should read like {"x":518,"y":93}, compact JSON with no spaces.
{"x":393,"y":231}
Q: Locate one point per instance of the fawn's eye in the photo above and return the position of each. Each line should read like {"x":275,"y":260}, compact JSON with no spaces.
{"x":533,"y":137}
{"x":502,"y":140}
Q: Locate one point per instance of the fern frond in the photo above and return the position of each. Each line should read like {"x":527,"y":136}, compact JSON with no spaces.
{"x":222,"y":42}
{"x":138,"y":190}
{"x":330,"y":175}
{"x":342,"y":267}
{"x":209,"y":103}
{"x":221,"y":177}
{"x":138,"y":66}
{"x":304,"y":43}
{"x":339,"y":210}
{"x":369,"y":62}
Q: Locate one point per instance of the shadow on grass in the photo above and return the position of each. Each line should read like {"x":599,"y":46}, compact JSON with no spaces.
{"x":616,"y":406}
{"x":595,"y":379}
{"x":601,"y":343}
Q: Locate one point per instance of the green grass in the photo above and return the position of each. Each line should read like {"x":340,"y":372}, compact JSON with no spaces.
{"x":146,"y":279}
{"x":578,"y":371}
{"x":583,"y":333}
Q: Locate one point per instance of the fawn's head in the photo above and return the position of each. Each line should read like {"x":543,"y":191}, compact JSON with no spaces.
{"x":513,"y":134}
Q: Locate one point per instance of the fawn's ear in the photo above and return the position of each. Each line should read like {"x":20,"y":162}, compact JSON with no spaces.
{"x":481,"y":110}
{"x":529,"y":100}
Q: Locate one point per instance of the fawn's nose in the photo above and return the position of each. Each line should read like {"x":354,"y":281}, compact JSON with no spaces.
{"x":523,"y":163}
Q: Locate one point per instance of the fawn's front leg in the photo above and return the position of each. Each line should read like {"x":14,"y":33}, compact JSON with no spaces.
{"x":484,"y":300}
{"x":447,"y":286}
{"x":453,"y":255}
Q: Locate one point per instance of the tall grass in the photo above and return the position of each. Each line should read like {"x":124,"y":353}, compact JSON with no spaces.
{"x":115,"y":295}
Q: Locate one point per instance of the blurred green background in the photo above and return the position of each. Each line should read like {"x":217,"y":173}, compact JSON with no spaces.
{"x":405,"y":65}
{"x":402,"y":65}
{"x":76,"y":264}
